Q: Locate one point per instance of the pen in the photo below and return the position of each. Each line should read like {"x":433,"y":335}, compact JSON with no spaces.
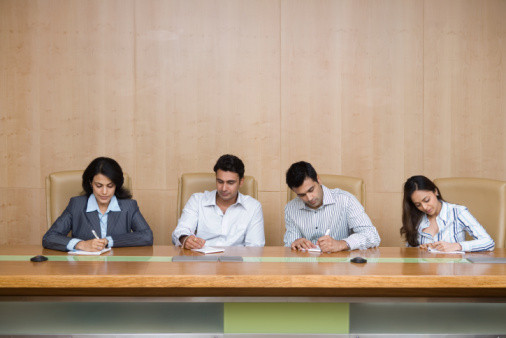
{"x":95,"y":234}
{"x":327,"y":232}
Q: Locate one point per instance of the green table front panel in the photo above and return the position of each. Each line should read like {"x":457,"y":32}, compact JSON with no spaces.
{"x":316,"y":318}
{"x":64,"y":318}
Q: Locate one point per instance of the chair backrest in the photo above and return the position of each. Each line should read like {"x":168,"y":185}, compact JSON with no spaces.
{"x":353,"y":185}
{"x":191,"y":183}
{"x":485,"y":199}
{"x":61,"y":186}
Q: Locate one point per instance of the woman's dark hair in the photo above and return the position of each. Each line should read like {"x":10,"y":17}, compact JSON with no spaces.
{"x":109,"y":168}
{"x":411,"y":216}
{"x":230,"y":163}
{"x":297,"y":173}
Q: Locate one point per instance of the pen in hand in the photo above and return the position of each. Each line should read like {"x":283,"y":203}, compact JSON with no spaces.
{"x":95,"y":234}
{"x":327,"y":232}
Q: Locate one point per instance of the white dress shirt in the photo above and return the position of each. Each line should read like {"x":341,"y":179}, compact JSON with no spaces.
{"x":242,"y":224}
{"x":340,"y":212}
{"x":453,"y":222}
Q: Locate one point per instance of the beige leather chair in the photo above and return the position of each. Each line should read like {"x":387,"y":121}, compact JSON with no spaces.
{"x":485,"y":199}
{"x":191,"y":183}
{"x":61,"y":186}
{"x":353,"y":185}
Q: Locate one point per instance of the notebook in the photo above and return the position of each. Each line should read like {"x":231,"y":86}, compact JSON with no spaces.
{"x":88,"y":253}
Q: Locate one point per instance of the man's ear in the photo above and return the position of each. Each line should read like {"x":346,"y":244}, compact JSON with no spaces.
{"x":241,"y":181}
{"x":318,"y":179}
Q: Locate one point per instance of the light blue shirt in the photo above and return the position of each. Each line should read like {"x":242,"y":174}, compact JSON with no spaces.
{"x":93,"y":207}
{"x":340,"y":212}
{"x":453,"y":222}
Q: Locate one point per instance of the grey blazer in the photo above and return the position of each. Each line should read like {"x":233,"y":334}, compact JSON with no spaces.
{"x":127,"y":227}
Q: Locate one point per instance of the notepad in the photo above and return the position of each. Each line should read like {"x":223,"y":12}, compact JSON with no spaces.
{"x":209,"y":250}
{"x":88,"y":253}
{"x":317,"y":249}
{"x":446,"y":252}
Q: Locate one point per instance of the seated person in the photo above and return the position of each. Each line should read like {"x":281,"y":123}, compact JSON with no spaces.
{"x":222,"y":217}
{"x":106,"y":208}
{"x":332,"y":218}
{"x":430,"y":222}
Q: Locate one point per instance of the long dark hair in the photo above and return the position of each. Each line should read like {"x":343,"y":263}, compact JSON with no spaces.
{"x":411,"y":216}
{"x":109,"y":168}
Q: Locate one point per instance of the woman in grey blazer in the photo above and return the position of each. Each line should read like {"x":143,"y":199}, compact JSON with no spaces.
{"x":106,"y":216}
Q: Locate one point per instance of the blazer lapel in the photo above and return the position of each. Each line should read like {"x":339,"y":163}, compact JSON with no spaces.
{"x":112,"y":219}
{"x":94,"y":222}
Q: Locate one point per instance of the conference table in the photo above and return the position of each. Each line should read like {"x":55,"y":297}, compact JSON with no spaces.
{"x":270,"y":290}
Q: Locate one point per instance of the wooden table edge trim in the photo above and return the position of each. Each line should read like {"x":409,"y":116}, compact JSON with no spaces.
{"x":248,"y":281}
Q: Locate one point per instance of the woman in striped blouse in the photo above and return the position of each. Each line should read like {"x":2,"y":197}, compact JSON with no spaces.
{"x":430,"y":222}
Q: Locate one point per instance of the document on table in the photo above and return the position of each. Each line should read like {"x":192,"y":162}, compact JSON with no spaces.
{"x":317,"y":249}
{"x":446,"y":252}
{"x":88,"y":253}
{"x":209,"y":250}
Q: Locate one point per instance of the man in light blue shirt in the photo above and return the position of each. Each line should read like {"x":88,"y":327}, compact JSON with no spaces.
{"x":332,"y":218}
{"x":222,"y":217}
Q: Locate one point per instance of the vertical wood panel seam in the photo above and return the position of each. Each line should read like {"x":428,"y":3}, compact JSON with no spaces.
{"x":280,"y":93}
{"x":423,"y":86}
{"x":134,"y":99}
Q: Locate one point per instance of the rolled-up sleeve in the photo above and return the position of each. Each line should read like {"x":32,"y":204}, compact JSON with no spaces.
{"x":364,"y":234}
{"x":187,"y":223}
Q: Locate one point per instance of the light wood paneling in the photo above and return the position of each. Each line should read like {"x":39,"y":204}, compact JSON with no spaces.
{"x":19,"y":113}
{"x":377,"y":89}
{"x":465,"y":76}
{"x":273,"y":204}
{"x":22,"y":216}
{"x":385,"y":211}
{"x":84,"y":66}
{"x":208,"y":84}
{"x":159,"y":209}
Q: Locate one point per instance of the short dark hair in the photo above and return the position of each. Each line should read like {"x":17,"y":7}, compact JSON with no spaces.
{"x":411,"y":216}
{"x":297,"y":173}
{"x":109,"y":168}
{"x":230,"y":163}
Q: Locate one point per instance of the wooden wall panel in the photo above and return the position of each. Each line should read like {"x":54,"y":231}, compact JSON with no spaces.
{"x":19,"y":114}
{"x":465,"y":104}
{"x":84,"y":65}
{"x":352,"y":91}
{"x":21,"y":208}
{"x":377,"y":89}
{"x":208,"y":79}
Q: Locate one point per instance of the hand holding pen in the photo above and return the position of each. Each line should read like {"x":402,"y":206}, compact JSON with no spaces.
{"x":96,"y":244}
{"x":328,"y":244}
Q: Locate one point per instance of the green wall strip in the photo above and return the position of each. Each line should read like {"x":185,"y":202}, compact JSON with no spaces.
{"x":324,"y":318}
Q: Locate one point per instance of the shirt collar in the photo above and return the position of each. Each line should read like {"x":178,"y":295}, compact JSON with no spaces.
{"x":328,"y":198}
{"x":93,"y":205}
{"x":443,"y":216}
{"x":210,"y":199}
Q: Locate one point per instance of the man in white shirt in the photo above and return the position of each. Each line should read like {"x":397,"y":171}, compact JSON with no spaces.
{"x":332,"y":218}
{"x":222,"y":217}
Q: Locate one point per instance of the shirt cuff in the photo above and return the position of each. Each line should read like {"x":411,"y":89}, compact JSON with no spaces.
{"x":110,"y":242}
{"x":72,"y":243}
{"x":465,"y":246}
{"x":178,"y":236}
{"x":352,"y":245}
